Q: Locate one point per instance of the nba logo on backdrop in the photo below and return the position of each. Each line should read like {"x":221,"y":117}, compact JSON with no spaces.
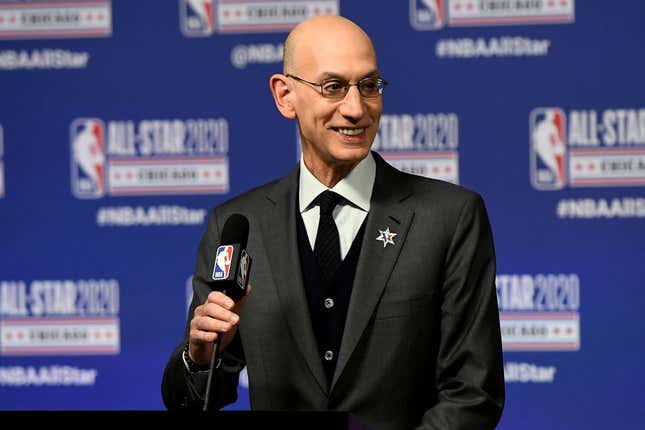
{"x":548,"y":148}
{"x":197,"y":17}
{"x":427,"y":14}
{"x":436,"y":14}
{"x":223,"y":259}
{"x":150,"y":156}
{"x":87,"y":137}
{"x":201,"y":18}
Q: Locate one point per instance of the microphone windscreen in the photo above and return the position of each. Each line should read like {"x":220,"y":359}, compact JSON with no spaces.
{"x":236,"y":230}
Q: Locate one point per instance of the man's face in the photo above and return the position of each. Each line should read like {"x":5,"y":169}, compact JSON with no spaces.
{"x":335,"y":132}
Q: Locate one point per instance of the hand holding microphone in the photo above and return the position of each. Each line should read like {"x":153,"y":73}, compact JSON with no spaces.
{"x":217,"y":317}
{"x":215,"y":322}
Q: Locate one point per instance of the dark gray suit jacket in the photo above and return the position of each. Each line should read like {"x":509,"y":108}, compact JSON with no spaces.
{"x":421,"y":346}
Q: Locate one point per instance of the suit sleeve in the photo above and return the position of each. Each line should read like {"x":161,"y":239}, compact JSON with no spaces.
{"x":469,"y":373}
{"x":180,"y":388}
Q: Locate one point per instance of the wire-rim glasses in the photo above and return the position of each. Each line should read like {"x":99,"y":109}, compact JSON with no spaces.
{"x":334,"y":88}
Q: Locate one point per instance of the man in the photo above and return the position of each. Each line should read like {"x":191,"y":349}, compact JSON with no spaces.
{"x":396,"y":321}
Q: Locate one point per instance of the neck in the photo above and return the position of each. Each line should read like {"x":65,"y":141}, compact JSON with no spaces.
{"x":328,"y":174}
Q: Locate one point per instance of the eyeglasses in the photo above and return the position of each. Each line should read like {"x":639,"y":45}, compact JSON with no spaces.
{"x":369,"y":88}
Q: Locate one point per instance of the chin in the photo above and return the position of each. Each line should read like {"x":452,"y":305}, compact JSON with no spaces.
{"x":351,"y":154}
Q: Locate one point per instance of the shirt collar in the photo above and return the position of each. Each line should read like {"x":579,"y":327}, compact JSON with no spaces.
{"x":356,"y":187}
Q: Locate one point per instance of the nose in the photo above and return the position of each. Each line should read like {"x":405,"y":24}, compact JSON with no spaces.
{"x":352,"y":106}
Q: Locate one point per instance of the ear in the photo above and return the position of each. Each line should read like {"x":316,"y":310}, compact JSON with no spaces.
{"x":282,"y":95}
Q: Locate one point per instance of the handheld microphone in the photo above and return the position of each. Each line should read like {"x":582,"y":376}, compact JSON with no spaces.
{"x":230,"y":275}
{"x":232,"y":261}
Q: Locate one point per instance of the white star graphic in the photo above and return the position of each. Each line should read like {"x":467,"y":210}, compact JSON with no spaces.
{"x":386,"y":237}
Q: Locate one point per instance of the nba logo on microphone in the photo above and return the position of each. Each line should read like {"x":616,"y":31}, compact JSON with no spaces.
{"x":427,"y":14}
{"x":548,"y":148}
{"x":245,"y":265}
{"x":196,"y":17}
{"x":223,"y":259}
{"x":87,"y":136}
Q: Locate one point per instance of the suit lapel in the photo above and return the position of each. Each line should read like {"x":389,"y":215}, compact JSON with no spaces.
{"x":376,"y":261}
{"x":287,"y":273}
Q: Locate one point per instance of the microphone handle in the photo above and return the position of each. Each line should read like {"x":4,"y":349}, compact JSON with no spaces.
{"x":214,"y":360}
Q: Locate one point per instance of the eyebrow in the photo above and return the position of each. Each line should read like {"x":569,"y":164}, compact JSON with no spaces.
{"x":331,"y":75}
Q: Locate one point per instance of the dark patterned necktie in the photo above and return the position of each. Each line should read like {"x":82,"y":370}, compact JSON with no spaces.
{"x":327,"y":246}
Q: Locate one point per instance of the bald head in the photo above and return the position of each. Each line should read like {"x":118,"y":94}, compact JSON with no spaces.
{"x":322,"y":33}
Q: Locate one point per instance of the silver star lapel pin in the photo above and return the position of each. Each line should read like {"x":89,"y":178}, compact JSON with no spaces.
{"x":386,"y":237}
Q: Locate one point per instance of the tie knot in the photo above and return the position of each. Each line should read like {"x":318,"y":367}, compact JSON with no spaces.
{"x":327,"y":200}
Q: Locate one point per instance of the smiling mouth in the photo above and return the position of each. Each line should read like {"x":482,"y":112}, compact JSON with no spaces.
{"x":350,"y":131}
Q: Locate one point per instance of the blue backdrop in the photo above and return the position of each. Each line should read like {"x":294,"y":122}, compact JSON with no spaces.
{"x":123,"y":122}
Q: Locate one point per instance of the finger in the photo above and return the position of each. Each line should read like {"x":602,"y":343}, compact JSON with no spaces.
{"x":200,"y":336}
{"x":221,"y":299}
{"x":219,"y":313}
{"x":213,"y":325}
